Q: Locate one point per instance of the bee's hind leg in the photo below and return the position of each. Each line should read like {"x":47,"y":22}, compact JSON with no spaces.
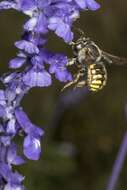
{"x":70,"y":83}
{"x":80,"y":84}
{"x":67,"y":85}
{"x":76,"y":78}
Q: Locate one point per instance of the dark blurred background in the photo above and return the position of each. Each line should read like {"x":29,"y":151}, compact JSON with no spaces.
{"x":82,"y":137}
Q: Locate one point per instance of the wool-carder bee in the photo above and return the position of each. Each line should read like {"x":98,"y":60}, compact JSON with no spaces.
{"x":89,"y":60}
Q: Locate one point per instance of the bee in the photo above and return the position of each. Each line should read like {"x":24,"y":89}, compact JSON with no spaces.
{"x":90,"y":62}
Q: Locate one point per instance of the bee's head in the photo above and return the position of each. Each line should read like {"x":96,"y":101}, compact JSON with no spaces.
{"x":76,"y":47}
{"x":79,"y":44}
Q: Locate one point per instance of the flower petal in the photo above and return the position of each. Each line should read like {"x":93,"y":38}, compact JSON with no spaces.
{"x":61,"y":28}
{"x":12,"y":157}
{"x":35,"y":78}
{"x":27,"y":46}
{"x":17,"y":62}
{"x":32,"y":148}
{"x":26,"y":124}
{"x":92,"y":5}
{"x":30,"y":24}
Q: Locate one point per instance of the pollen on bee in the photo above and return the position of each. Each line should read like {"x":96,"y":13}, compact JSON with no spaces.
{"x":96,"y":82}
{"x":94,"y":89}
{"x":94,"y":86}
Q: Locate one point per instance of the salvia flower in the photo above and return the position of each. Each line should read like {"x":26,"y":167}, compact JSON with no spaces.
{"x":39,"y":65}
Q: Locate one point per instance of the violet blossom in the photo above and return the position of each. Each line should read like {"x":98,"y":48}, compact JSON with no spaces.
{"x":44,"y":15}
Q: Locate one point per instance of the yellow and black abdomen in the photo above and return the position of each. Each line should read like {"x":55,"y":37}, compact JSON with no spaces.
{"x":96,"y":76}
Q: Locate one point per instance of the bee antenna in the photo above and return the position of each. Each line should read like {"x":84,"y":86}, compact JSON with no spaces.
{"x":80,"y":31}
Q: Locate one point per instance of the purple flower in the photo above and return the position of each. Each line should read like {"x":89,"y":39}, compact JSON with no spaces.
{"x":37,"y":78}
{"x":54,"y":15}
{"x":26,"y":5}
{"x":28,"y":47}
{"x":7,"y":5}
{"x":12,"y":180}
{"x":31,"y":145}
{"x":88,"y":4}
{"x":58,"y":67}
{"x":12,"y":157}
{"x":17,"y":62}
{"x":38,"y":65}
{"x":61,"y":28}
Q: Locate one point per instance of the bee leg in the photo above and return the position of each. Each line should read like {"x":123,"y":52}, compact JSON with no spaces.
{"x":67,"y":85}
{"x":71,"y":61}
{"x":80,"y":84}
{"x":72,"y":82}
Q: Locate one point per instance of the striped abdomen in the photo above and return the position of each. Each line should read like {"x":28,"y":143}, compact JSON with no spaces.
{"x":96,"y":76}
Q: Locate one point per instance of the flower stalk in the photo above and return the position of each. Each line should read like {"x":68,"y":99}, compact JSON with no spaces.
{"x":118,"y":164}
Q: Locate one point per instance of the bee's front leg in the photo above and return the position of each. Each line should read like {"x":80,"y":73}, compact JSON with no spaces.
{"x":71,"y":61}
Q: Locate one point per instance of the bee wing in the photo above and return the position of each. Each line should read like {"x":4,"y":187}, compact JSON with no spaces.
{"x":113,"y":59}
